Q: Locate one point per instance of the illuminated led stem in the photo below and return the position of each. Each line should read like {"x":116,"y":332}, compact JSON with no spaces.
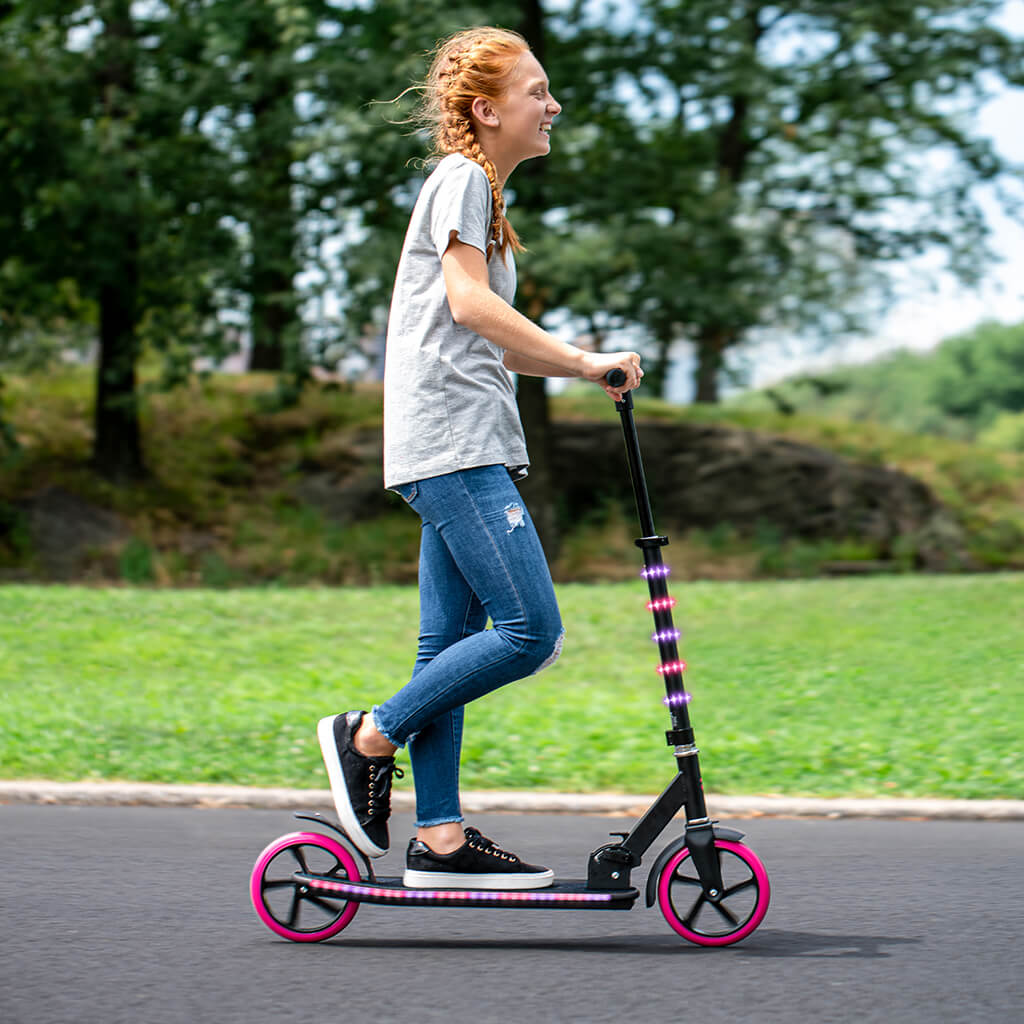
{"x":661,"y":604}
{"x":656,"y":572}
{"x":676,"y":700}
{"x":670,"y":668}
{"x":665,"y":636}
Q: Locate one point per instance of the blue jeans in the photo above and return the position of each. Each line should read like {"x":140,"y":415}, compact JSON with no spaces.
{"x":480,"y":559}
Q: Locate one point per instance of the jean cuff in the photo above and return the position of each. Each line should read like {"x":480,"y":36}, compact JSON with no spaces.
{"x":376,"y":721}
{"x":447,"y":820}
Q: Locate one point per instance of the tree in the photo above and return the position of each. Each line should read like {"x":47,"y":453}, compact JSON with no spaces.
{"x":106,"y":214}
{"x":980,"y":374}
{"x":260,"y":55}
{"x":772,"y":159}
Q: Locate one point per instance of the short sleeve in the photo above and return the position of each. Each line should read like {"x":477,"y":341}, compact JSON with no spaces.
{"x":462,"y":203}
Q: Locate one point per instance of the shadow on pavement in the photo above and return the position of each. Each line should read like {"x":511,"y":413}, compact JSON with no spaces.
{"x":767,"y":943}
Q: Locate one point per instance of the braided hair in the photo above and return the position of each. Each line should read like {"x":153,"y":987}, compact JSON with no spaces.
{"x":471,"y":63}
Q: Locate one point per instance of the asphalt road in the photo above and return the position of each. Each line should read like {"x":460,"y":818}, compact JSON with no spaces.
{"x":141,"y":915}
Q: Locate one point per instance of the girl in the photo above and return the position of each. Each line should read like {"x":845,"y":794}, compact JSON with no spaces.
{"x":453,"y":447}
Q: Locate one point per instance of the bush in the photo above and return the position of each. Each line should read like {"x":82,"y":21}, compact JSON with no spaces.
{"x":1006,"y":432}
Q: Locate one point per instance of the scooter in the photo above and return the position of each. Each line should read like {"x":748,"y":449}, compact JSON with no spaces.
{"x":711,"y":888}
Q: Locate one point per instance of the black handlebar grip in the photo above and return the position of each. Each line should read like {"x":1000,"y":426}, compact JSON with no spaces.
{"x":615,"y":378}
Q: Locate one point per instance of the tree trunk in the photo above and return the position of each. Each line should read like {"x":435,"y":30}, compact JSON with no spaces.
{"x":117,"y":445}
{"x":656,"y":372}
{"x":534,"y":409}
{"x":734,"y":150}
{"x":531,"y":26}
{"x":274,"y":317}
{"x":538,"y":488}
{"x":711,"y":346}
{"x":117,"y":448}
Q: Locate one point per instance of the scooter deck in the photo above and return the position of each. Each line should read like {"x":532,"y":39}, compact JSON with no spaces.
{"x":565,"y":894}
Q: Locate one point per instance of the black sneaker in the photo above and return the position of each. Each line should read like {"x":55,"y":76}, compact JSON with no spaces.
{"x":361,"y":785}
{"x":478,"y":864}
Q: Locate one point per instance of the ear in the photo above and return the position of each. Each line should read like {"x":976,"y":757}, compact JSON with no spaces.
{"x":483,"y":110}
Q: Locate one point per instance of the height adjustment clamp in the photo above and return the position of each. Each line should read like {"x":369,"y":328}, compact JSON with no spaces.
{"x":679,"y":737}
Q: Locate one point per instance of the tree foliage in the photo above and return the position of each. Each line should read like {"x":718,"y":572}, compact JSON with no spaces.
{"x":971,"y":386}
{"x":108,"y":217}
{"x":762,"y":164}
{"x":720,"y":169}
{"x":980,"y":374}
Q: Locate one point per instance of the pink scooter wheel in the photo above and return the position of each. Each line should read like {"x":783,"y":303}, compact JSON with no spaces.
{"x":741,"y":909}
{"x":283,"y":904}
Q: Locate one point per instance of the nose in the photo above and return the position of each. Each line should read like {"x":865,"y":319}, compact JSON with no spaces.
{"x":554,"y":107}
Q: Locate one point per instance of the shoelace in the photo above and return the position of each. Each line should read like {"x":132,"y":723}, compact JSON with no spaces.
{"x":480,"y":842}
{"x":380,"y":788}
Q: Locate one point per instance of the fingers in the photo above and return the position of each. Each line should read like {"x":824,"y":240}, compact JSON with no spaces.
{"x":629,"y":364}
{"x":631,"y":367}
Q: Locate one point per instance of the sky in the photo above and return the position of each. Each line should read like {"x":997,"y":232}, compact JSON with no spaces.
{"x":925,"y":317}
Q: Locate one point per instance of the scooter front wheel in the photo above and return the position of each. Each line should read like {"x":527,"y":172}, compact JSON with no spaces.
{"x":284,"y":904}
{"x":707,"y":922}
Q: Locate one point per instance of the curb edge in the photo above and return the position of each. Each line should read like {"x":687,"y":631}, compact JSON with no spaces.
{"x":126,"y":794}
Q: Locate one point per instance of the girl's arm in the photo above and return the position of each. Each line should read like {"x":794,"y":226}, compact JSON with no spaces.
{"x":516,"y":363}
{"x":529,"y":349}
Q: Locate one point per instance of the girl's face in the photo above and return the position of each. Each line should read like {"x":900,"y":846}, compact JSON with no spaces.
{"x":524,"y":115}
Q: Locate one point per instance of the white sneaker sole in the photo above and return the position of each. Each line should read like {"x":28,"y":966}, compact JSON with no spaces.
{"x":443,"y":880}
{"x":336,"y":777}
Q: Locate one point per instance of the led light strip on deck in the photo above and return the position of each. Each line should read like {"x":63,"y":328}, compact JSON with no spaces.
{"x":493,"y":895}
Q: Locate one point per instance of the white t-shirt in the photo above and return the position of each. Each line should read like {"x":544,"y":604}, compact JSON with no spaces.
{"x":449,"y":402}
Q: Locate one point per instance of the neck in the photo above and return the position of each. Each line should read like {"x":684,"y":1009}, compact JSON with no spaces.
{"x":504,"y":163}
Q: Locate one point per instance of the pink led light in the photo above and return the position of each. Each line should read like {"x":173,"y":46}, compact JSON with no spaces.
{"x":490,"y":895}
{"x":656,"y":572}
{"x":675,"y":700}
{"x":666,"y":635}
{"x":670,"y":668}
{"x":660,"y":604}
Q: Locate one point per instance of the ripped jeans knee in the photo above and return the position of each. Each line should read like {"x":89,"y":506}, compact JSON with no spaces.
{"x":553,"y":656}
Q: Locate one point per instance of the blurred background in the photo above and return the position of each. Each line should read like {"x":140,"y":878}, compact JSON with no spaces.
{"x":806,"y":215}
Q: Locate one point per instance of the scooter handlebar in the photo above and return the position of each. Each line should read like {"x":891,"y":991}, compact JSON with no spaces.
{"x":615,"y":378}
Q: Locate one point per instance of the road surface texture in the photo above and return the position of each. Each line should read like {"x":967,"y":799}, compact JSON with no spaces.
{"x":142,"y":915}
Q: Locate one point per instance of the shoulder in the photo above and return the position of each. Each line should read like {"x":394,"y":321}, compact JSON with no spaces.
{"x":458,"y":172}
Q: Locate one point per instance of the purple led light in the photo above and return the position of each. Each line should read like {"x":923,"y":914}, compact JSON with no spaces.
{"x":666,"y":635}
{"x":675,"y":700}
{"x":669,"y":668}
{"x":656,"y":572}
{"x":660,"y":604}
{"x":496,"y":896}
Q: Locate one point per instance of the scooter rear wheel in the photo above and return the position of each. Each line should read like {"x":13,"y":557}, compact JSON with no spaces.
{"x":284,"y":904}
{"x":705,"y":922}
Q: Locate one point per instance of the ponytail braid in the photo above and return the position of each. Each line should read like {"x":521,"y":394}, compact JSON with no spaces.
{"x":464,"y":141}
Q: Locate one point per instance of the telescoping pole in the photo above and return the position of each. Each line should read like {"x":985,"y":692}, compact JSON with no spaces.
{"x":671,"y":667}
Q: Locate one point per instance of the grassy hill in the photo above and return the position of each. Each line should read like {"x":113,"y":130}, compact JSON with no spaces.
{"x":231,"y":498}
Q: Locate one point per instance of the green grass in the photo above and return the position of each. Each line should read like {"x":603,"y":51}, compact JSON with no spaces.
{"x":890,"y":685}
